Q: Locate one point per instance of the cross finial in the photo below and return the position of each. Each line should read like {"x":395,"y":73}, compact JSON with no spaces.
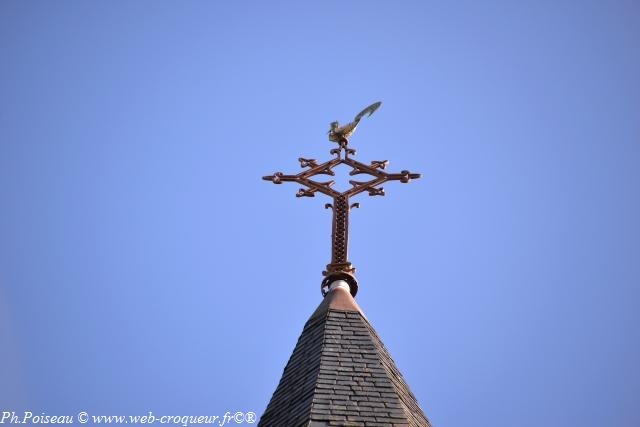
{"x":340,"y":267}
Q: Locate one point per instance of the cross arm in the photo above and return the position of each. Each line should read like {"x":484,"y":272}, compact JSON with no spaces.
{"x":304,"y":178}
{"x":379,"y":177}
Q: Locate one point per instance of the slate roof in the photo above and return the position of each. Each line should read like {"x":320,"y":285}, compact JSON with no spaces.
{"x":340,"y":374}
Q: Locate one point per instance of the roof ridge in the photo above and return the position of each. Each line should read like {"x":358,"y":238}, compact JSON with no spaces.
{"x":409,"y":403}
{"x":317,"y":374}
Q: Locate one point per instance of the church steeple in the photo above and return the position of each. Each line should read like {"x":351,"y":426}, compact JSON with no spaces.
{"x":340,"y":373}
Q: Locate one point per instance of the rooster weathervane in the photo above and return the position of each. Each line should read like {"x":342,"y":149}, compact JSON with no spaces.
{"x":340,"y":268}
{"x":342,"y":134}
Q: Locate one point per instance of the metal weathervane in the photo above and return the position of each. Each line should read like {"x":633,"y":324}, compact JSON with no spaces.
{"x":340,"y":267}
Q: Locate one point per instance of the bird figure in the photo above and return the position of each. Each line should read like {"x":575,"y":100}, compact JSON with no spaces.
{"x":341,"y":134}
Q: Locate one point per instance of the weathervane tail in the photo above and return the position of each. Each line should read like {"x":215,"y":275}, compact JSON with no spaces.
{"x":369,"y":111}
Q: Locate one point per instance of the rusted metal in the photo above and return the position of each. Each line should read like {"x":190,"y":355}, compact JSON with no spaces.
{"x":340,"y":267}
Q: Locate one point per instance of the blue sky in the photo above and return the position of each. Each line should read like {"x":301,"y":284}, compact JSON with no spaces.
{"x":145,"y":266}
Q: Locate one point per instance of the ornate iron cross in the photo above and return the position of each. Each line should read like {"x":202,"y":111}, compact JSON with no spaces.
{"x":340,"y":267}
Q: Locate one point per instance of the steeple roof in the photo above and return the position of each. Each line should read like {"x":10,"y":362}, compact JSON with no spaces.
{"x":340,"y":374}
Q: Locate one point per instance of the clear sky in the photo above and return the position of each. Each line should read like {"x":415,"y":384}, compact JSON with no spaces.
{"x":145,"y":266}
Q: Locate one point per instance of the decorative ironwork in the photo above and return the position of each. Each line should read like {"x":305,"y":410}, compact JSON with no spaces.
{"x":340,"y":267}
